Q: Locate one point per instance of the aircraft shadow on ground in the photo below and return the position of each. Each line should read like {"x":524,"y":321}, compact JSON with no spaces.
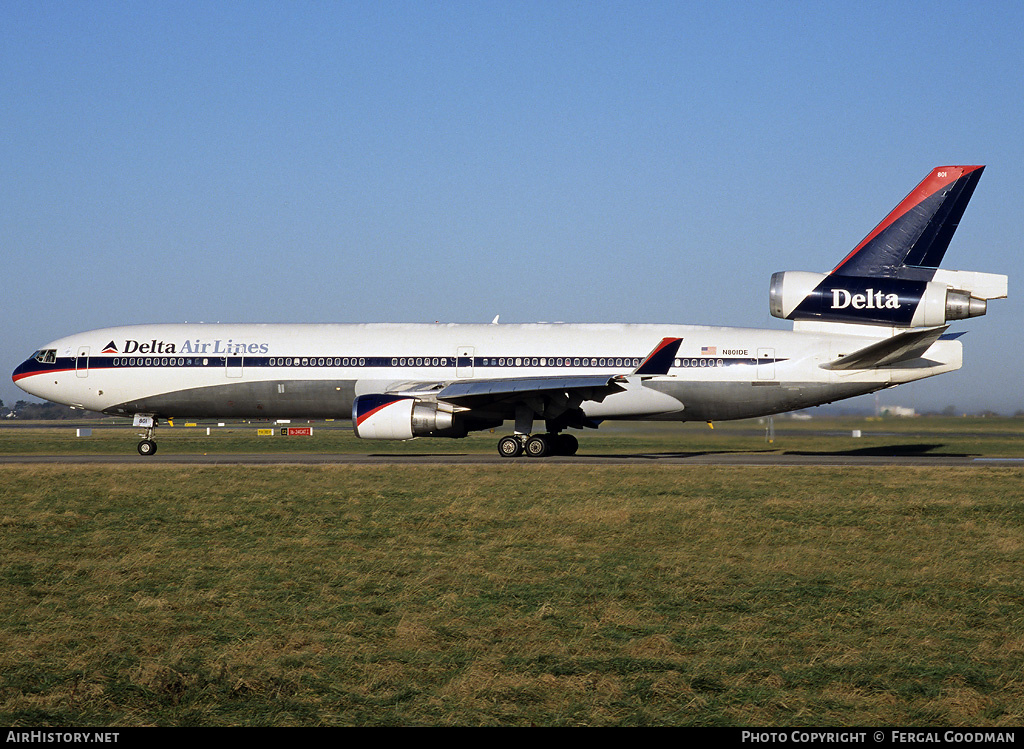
{"x":681,"y":454}
{"x":923,"y":448}
{"x":899,"y":450}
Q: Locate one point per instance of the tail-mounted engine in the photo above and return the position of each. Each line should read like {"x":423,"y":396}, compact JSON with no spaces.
{"x":900,"y":302}
{"x":397,"y":417}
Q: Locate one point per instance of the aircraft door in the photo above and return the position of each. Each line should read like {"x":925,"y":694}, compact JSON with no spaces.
{"x":766,"y":364}
{"x":464,"y":361}
{"x":82,"y":362}
{"x":233,"y":365}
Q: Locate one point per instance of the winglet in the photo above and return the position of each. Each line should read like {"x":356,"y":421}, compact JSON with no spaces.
{"x":660,"y":360}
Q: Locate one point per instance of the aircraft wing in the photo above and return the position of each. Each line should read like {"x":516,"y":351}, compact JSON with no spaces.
{"x":589,"y":387}
{"x":899,"y":348}
{"x":473,"y":392}
{"x":569,"y":391}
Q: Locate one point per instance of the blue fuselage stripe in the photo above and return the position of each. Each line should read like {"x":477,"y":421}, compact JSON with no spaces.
{"x":490,"y":363}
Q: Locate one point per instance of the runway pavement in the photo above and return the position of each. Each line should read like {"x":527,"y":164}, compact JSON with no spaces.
{"x":763,"y":459}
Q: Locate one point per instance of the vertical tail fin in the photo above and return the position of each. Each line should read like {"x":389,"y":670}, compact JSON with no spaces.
{"x":913,"y":238}
{"x":892,"y":277}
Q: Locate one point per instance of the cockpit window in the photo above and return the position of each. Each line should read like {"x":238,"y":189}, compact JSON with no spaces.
{"x":45,"y":356}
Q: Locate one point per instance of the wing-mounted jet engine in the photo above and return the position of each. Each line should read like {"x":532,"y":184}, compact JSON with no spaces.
{"x":400,"y":417}
{"x":892,"y":277}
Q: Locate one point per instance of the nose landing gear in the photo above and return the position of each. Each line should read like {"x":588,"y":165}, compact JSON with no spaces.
{"x":147,"y":446}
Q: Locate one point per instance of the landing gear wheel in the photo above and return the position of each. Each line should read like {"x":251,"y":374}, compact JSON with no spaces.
{"x":567,"y":444}
{"x":147,"y":447}
{"x":538,"y":446}
{"x":510,"y":447}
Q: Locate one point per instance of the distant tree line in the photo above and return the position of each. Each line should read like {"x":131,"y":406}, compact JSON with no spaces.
{"x":45,"y":411}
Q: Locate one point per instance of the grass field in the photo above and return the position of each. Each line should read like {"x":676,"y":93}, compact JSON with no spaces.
{"x":526,"y":594}
{"x":990,"y":437}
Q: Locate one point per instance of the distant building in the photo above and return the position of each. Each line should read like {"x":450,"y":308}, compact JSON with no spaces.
{"x":900,"y":411}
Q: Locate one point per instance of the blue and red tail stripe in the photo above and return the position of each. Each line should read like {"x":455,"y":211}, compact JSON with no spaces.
{"x":912,"y":240}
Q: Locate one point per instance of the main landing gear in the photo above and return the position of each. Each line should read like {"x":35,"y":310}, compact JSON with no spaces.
{"x":553,"y":442}
{"x":537,"y":445}
{"x":147,"y":446}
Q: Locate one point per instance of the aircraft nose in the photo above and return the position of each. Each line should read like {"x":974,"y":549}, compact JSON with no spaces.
{"x":21,"y":371}
{"x":27,"y":376}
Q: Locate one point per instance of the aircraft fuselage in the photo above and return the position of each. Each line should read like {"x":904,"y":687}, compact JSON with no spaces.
{"x":315,"y":371}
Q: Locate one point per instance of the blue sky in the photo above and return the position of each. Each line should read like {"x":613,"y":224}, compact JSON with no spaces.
{"x":421,"y":161}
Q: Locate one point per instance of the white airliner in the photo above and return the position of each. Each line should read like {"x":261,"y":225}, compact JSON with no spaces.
{"x":877,"y":320}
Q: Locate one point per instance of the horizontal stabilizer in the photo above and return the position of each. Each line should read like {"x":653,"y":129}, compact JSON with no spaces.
{"x":899,"y":348}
